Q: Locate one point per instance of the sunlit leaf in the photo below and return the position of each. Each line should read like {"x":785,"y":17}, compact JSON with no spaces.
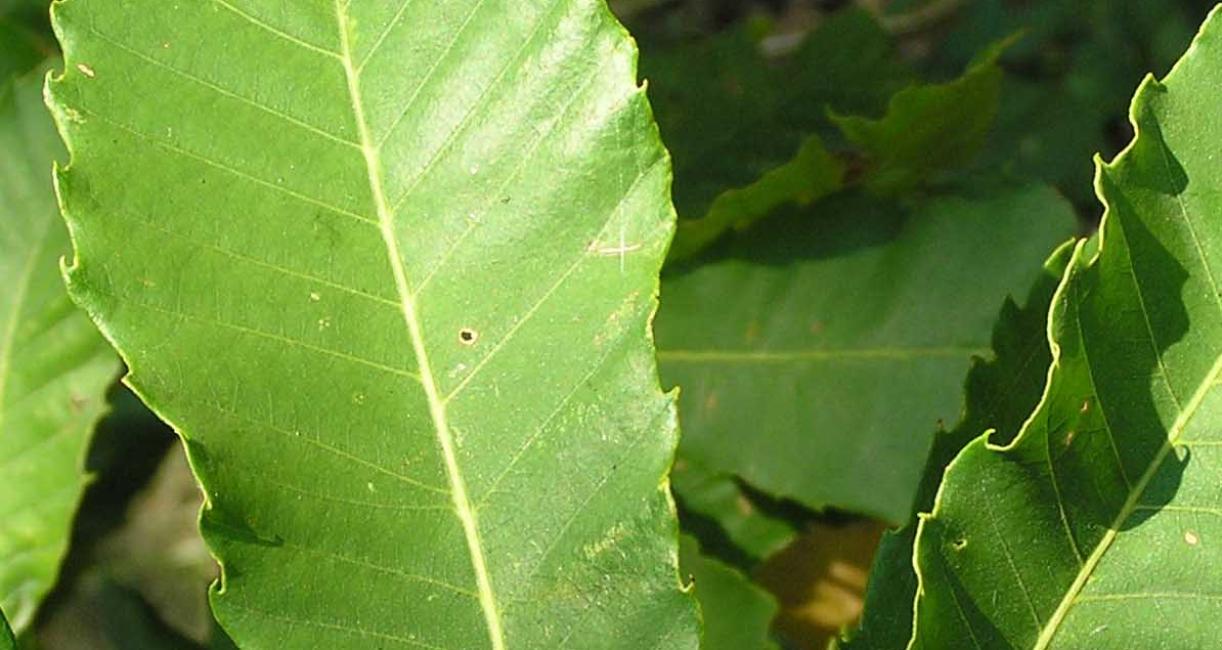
{"x":1000,"y":393}
{"x":388,"y":268}
{"x":1097,"y":526}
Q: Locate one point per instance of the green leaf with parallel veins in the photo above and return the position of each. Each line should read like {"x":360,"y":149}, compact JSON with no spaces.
{"x":999,"y":396}
{"x":1097,"y":527}
{"x":54,"y":367}
{"x":388,"y":268}
{"x":737,"y":613}
{"x":817,"y":355}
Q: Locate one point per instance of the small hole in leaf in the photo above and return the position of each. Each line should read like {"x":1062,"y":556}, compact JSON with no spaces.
{"x":959,"y":544}
{"x":468,"y":336}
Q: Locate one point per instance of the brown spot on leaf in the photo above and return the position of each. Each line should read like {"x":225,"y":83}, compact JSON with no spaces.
{"x":752,"y":333}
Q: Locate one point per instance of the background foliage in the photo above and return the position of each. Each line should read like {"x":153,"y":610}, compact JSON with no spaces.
{"x":811,"y":140}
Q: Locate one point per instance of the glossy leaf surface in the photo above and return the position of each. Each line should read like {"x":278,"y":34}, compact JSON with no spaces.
{"x":388,"y":268}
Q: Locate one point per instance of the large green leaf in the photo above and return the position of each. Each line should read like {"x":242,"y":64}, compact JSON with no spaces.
{"x":817,"y":355}
{"x":54,"y":367}
{"x":737,"y":613}
{"x":388,"y":268}
{"x":999,"y":395}
{"x":1097,"y":527}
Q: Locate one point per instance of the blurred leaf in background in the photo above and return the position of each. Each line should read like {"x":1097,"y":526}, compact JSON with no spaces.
{"x":25,"y":37}
{"x":929,"y":128}
{"x":54,"y":366}
{"x":144,"y":582}
{"x":818,"y":353}
{"x":736,"y":612}
{"x":820,"y":579}
{"x":1069,"y":77}
{"x":729,"y":115}
{"x":737,"y":526}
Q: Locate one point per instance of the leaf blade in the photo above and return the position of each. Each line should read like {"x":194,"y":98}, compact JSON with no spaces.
{"x":1000,"y":393}
{"x":54,"y":368}
{"x":1112,"y":448}
{"x":827,"y":324}
{"x":343,"y":323}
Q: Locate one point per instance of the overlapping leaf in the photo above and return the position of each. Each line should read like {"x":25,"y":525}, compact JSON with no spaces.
{"x":817,"y":355}
{"x":1098,"y":526}
{"x":54,"y":367}
{"x":1000,"y":393}
{"x":388,"y":268}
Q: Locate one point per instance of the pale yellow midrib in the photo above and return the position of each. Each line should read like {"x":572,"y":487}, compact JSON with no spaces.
{"x":1053,"y":625}
{"x":437,"y":410}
